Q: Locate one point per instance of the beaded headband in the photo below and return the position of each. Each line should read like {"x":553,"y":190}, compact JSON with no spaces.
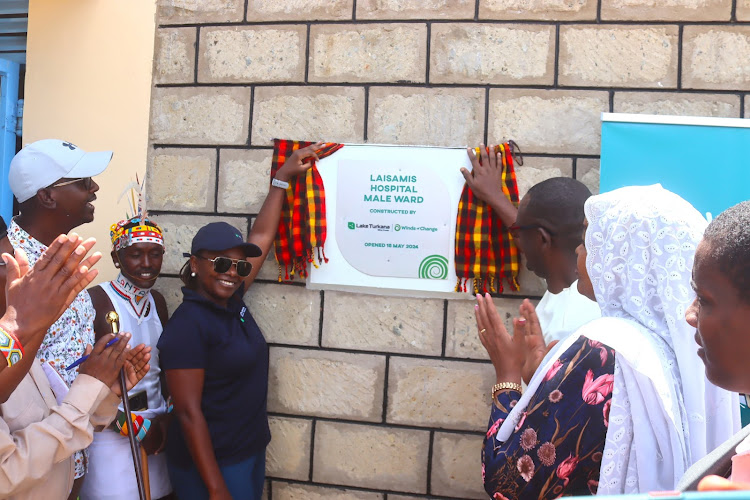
{"x":135,"y":228}
{"x":144,"y":231}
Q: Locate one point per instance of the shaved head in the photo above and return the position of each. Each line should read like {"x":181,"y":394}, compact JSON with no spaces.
{"x":558,"y":204}
{"x":728,"y":236}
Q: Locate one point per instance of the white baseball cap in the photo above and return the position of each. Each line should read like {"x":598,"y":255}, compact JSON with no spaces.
{"x":42,"y":163}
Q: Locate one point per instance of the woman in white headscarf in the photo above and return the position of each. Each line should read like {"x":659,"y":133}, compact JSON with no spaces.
{"x":622,"y":405}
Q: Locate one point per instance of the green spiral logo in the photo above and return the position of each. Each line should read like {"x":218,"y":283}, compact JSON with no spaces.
{"x":434,"y":267}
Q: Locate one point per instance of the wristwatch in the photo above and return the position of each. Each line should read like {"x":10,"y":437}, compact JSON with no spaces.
{"x":279,"y":184}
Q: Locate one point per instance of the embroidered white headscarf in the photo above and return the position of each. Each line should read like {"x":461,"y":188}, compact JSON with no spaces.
{"x":664,"y":413}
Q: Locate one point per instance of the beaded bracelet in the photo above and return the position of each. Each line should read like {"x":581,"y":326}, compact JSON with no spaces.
{"x":10,"y":347}
{"x":505,"y":386}
{"x":141,"y":425}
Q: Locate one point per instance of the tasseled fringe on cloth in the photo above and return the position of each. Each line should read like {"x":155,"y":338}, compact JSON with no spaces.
{"x":488,"y":284}
{"x":302,"y":226}
{"x":299,"y":266}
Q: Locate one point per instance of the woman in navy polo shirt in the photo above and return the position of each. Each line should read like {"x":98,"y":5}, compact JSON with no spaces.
{"x":216,"y":359}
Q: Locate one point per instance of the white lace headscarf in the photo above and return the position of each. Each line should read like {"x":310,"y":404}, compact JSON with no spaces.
{"x":641,"y":243}
{"x":664,"y":414}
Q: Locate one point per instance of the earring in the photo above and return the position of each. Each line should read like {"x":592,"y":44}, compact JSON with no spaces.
{"x":117,"y":265}
{"x":192,"y":275}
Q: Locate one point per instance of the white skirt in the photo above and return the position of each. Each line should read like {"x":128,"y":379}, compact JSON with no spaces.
{"x":111,"y":475}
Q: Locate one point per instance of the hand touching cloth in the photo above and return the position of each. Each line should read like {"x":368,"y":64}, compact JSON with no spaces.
{"x":485,"y":253}
{"x":302,"y":226}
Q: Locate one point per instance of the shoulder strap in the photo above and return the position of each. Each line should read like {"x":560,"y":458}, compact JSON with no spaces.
{"x":718,"y":462}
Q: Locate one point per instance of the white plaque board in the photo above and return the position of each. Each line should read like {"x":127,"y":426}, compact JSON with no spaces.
{"x":391,"y":214}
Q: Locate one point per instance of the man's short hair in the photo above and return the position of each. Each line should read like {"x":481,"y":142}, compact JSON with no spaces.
{"x":728,"y":236}
{"x":558,"y":202}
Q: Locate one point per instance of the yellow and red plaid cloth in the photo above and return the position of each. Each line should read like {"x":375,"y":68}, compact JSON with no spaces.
{"x":485,"y":251}
{"x":302,"y":226}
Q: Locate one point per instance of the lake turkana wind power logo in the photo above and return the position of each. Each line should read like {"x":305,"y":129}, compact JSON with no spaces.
{"x":432,"y":267}
{"x":367,"y":225}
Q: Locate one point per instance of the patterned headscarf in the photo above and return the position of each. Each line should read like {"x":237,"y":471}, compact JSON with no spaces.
{"x":485,"y":253}
{"x":141,"y":230}
{"x":641,"y":242}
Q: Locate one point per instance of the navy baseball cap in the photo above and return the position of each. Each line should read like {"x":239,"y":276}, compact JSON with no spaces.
{"x":218,"y":236}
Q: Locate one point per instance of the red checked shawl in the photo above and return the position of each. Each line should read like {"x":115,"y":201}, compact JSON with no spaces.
{"x":302,"y":226}
{"x":485,"y":251}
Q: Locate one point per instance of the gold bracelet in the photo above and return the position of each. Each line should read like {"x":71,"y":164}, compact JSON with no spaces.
{"x":505,"y":386}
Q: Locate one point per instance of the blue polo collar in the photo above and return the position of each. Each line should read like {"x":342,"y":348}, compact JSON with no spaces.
{"x":234,"y":305}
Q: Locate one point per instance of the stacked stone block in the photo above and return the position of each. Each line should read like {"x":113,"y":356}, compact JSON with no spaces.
{"x":386,"y":397}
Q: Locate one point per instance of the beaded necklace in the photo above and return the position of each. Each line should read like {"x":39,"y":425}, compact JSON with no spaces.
{"x":136,"y":297}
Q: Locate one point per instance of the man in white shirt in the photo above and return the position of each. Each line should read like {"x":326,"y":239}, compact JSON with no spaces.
{"x":547,"y":227}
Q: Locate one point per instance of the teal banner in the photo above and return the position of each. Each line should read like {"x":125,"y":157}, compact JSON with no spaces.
{"x":704,"y":160}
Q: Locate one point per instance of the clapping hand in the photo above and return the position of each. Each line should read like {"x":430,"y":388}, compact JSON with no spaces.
{"x":535,"y":348}
{"x":104,"y":363}
{"x":136,"y":366}
{"x":506,"y":353}
{"x":36,"y":297}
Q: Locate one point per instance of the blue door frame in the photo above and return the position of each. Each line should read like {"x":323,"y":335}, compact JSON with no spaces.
{"x":8,"y":113}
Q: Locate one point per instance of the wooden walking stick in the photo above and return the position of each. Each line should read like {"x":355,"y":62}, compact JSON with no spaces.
{"x":113,"y":320}
{"x":144,"y":469}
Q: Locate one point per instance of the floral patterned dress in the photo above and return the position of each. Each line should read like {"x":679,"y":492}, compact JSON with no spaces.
{"x":556,"y":448}
{"x":66,"y":339}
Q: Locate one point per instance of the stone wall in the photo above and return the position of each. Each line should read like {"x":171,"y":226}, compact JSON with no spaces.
{"x":387,"y":397}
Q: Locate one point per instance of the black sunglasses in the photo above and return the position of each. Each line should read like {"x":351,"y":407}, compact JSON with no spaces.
{"x":224,"y":264}
{"x":516,"y":230}
{"x":86,"y":182}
